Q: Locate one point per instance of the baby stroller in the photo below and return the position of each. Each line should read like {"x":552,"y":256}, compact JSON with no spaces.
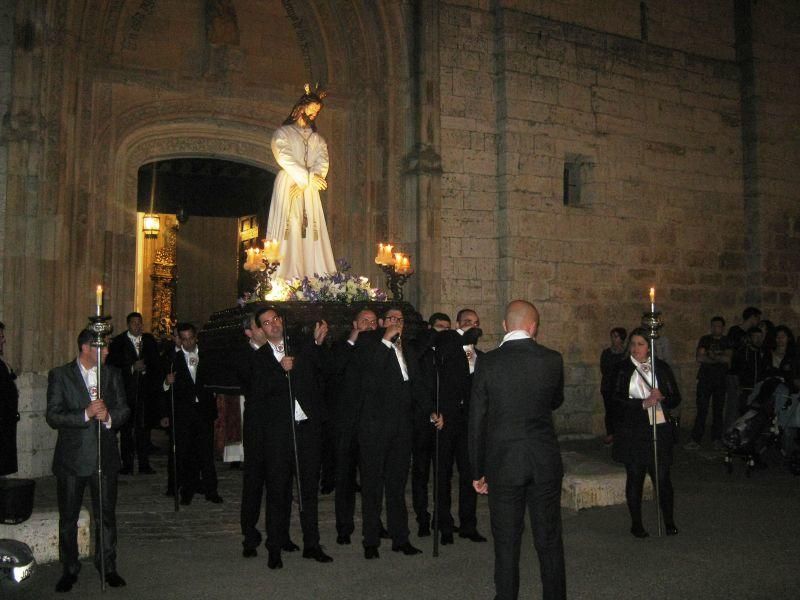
{"x":756,"y":430}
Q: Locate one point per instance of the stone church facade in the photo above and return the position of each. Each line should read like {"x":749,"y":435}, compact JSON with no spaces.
{"x":571,"y":152}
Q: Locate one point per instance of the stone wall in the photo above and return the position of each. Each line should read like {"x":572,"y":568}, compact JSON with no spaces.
{"x":655,"y":129}
{"x":6,"y":54}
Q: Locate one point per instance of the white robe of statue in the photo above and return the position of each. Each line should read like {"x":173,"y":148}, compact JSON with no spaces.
{"x":299,"y":224}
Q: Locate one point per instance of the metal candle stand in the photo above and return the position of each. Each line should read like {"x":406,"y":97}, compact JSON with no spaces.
{"x":395,"y":281}
{"x":100,"y":326}
{"x":652,"y":322}
{"x":264,"y":278}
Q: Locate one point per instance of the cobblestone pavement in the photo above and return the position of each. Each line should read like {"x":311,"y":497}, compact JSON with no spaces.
{"x":739,"y":539}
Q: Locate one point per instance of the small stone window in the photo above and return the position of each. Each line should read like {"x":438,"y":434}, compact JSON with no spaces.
{"x":578,"y":176}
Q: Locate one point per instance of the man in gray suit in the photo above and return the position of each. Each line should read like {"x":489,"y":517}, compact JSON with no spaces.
{"x":514,"y":450}
{"x":74,"y":408}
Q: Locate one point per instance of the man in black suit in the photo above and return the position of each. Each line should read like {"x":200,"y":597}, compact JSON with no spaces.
{"x":76,"y":410}
{"x":195,"y":413}
{"x":285,"y":387}
{"x":514,"y":450}
{"x":346,"y":385}
{"x":391,"y":384}
{"x":135,"y":354}
{"x":450,"y":360}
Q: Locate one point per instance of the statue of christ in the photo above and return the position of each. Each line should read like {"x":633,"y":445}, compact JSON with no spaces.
{"x":296,"y":218}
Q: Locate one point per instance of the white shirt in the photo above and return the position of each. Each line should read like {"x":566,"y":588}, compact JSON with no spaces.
{"x":279,"y":352}
{"x":192,"y":360}
{"x":400,"y":358}
{"x":136,"y":340}
{"x":90,"y":379}
{"x":469,"y":351}
{"x":639,"y":388}
{"x":517,"y":334}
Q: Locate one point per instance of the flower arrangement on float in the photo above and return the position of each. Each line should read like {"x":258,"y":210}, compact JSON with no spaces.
{"x":341,"y":286}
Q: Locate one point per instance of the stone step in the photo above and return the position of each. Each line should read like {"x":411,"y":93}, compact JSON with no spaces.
{"x":590,"y":482}
{"x":40,"y":532}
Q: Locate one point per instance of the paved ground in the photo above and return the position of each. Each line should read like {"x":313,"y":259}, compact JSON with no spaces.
{"x":739,"y":539}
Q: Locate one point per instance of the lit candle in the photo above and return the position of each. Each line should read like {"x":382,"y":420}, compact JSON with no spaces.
{"x":379,"y":256}
{"x":652,"y":299}
{"x":99,"y":300}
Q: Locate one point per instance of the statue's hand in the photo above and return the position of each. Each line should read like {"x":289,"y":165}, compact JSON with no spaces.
{"x":295,"y":192}
{"x":319,"y":182}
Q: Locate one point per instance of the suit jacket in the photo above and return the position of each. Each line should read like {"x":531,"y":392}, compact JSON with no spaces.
{"x":267,"y":398}
{"x":345,"y":382}
{"x":446,"y":355}
{"x":386,"y":400}
{"x":67,"y":399}
{"x":190,"y":396}
{"x":511,"y":434}
{"x":122,"y":354}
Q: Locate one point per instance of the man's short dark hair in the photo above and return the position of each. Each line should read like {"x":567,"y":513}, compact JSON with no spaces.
{"x":438,"y":316}
{"x":620,"y":331}
{"x":754,"y":329}
{"x":750,"y":311}
{"x":718,"y":319}
{"x":132,"y":315}
{"x":391,"y":308}
{"x":84,"y":337}
{"x":262,"y":310}
{"x":247,"y":321}
{"x":185,"y":326}
{"x":461,"y":313}
{"x":2,"y":325}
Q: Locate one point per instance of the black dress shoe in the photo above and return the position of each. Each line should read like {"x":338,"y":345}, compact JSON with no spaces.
{"x":406,"y":549}
{"x":326,"y":489}
{"x":249,"y":552}
{"x":639,"y":531}
{"x":473,"y":536}
{"x":274,"y":560}
{"x":371,"y":552}
{"x":114,"y":580}
{"x":424,"y":530}
{"x":317,"y":554}
{"x":290,"y":546}
{"x":66,"y":582}
{"x":126,"y":471}
{"x":447,"y":539}
{"x":235,"y":465}
{"x":146,"y":470}
{"x":215,"y":498}
{"x":671,"y":529}
{"x":343,"y":540}
{"x":385,"y":534}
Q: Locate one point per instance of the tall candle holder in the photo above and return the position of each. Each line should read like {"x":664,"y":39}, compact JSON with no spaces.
{"x":395,"y":281}
{"x":101,"y":328}
{"x":652,"y":323}
{"x":264,"y":275}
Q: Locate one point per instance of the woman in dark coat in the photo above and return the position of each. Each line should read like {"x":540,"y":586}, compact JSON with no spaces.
{"x":633,"y":437}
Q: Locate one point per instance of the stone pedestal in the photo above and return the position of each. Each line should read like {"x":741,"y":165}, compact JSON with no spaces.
{"x":589,"y":482}
{"x":35,"y":439}
{"x":40,"y":532}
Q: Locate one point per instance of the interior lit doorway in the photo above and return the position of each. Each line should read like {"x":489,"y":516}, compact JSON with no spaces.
{"x":208,"y":212}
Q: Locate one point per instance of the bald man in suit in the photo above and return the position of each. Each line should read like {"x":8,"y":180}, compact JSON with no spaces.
{"x":514,"y":450}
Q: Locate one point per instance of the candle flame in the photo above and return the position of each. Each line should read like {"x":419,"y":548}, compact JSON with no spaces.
{"x":652,"y":295}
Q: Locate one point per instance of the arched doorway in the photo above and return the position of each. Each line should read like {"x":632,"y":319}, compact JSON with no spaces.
{"x":209,"y":211}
